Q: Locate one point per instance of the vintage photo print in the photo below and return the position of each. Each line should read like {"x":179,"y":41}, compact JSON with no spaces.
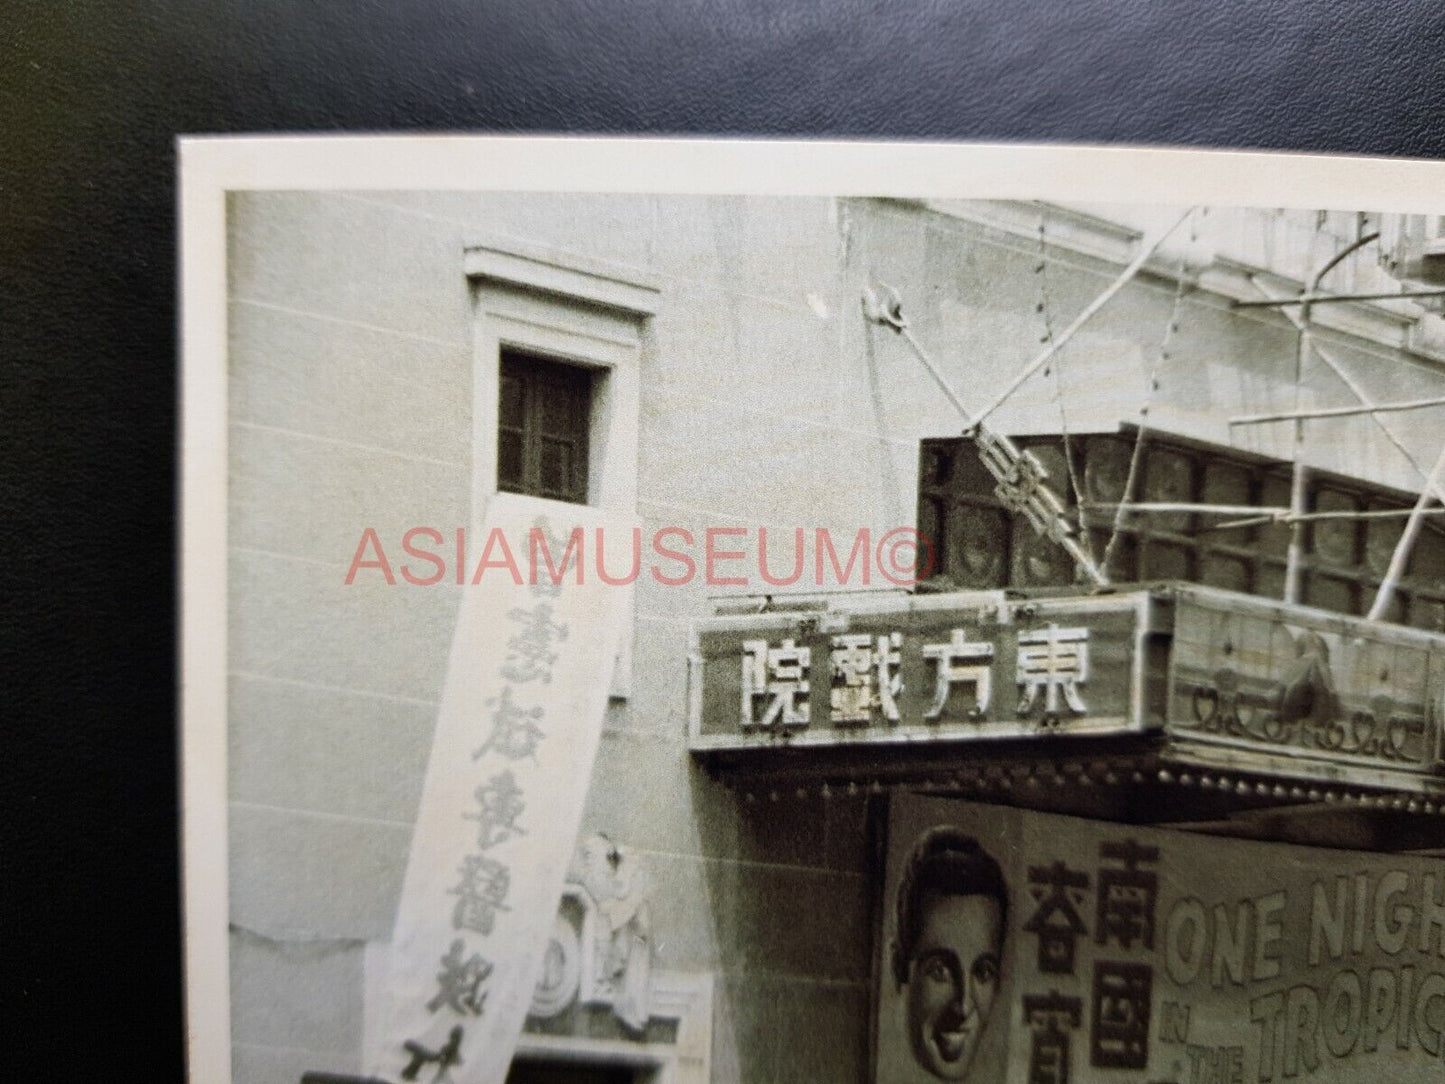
{"x":743,"y":613}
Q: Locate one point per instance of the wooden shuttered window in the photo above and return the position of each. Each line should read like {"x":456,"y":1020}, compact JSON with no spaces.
{"x":543,"y":427}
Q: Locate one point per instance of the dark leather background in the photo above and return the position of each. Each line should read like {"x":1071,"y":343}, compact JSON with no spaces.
{"x":91,"y":96}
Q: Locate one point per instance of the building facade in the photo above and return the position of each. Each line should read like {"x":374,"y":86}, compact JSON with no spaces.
{"x":748,"y":364}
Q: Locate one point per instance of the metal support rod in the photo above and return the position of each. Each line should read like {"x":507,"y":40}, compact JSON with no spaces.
{"x":891,"y":315}
{"x":1127,"y":275}
{"x":1373,"y":513}
{"x":1294,"y":556}
{"x":1069,"y":542}
{"x":1338,"y":412}
{"x":1363,"y":396}
{"x":1282,"y":515}
{"x":1325,"y":299}
{"x":1339,"y":258}
{"x":1401,"y":556}
{"x":1168,"y":507}
{"x":1409,"y":456}
{"x":938,"y":377}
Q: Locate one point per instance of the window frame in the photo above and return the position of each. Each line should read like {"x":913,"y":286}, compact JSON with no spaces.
{"x":575,"y":310}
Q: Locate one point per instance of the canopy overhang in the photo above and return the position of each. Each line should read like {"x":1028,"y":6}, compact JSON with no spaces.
{"x":1150,"y":702}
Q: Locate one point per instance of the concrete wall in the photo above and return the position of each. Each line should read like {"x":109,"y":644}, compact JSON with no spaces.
{"x":766,"y":400}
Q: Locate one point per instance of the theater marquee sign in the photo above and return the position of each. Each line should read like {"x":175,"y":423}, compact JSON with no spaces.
{"x":1024,"y":948}
{"x":931,"y":669}
{"x":1194,"y":678}
{"x":1258,"y":678}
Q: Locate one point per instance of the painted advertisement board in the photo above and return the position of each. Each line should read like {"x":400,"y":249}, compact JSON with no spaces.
{"x":1026,"y":948}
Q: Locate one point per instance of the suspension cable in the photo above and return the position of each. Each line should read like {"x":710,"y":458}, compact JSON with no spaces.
{"x":1145,"y":253}
{"x":1043,"y":308}
{"x":1136,"y":454}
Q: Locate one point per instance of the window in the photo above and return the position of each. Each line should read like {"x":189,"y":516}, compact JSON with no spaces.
{"x":542,"y":427}
{"x":558,"y":343}
{"x":558,"y":346}
{"x":979,"y":544}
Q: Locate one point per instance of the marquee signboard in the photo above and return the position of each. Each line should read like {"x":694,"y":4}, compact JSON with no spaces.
{"x":932,"y":669}
{"x":1256,"y":678}
{"x":1212,"y":678}
{"x":1025,"y":948}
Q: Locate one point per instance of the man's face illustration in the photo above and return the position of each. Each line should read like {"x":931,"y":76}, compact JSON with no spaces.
{"x":952,"y":978}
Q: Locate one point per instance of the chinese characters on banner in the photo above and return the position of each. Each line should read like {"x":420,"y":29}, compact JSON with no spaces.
{"x":1025,"y":948}
{"x":517,"y":731}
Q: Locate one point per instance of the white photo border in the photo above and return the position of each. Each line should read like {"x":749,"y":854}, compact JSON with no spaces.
{"x":210,"y":167}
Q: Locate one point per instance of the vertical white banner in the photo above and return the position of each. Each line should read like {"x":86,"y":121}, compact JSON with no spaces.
{"x":517,"y":732}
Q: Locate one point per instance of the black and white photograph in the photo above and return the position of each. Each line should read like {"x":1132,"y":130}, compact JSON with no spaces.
{"x":691,"y":612}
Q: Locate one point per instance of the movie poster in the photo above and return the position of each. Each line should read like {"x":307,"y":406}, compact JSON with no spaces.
{"x":1032,"y":949}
